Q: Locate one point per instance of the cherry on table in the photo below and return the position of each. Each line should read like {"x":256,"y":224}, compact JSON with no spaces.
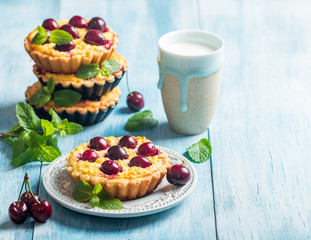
{"x":94,"y":37}
{"x":110,"y":167}
{"x":41,"y":212}
{"x":28,"y":199}
{"x":117,"y":152}
{"x":135,"y":101}
{"x":139,"y":161}
{"x":50,"y":24}
{"x":18,"y":212}
{"x":147,"y":149}
{"x":128,"y":141}
{"x":65,"y":47}
{"x":99,"y":143}
{"x":97,"y":23}
{"x":71,"y":30}
{"x":89,"y":155}
{"x":78,"y":22}
{"x":178,"y":175}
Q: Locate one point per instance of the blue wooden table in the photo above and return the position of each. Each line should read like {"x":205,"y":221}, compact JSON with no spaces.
{"x":257,"y":183}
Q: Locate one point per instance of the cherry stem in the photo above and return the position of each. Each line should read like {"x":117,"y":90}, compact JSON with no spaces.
{"x":184,"y":163}
{"x":8,"y":134}
{"x":20,"y":192}
{"x":27,"y":181}
{"x":127,"y":84}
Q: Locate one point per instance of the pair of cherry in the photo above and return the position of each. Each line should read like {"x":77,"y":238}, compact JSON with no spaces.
{"x":29,"y":203}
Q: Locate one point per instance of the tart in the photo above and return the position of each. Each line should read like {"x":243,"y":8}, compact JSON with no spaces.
{"x":83,"y":53}
{"x":127,"y":178}
{"x":90,"y":89}
{"x":84,"y":112}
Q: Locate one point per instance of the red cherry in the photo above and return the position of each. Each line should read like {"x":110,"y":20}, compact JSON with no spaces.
{"x":71,"y":30}
{"x":147,"y":149}
{"x":135,"y":101}
{"x":28,"y":199}
{"x":140,"y":161}
{"x":99,"y":143}
{"x":128,"y":141}
{"x":41,"y":212}
{"x":18,"y":212}
{"x":94,"y":37}
{"x":178,"y":175}
{"x":110,"y":167}
{"x":78,"y":22}
{"x":89,"y":155}
{"x":49,"y":24}
{"x":97,"y":23}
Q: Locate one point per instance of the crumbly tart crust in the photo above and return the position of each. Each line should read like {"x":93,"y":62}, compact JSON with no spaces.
{"x":106,"y":101}
{"x":51,"y":60}
{"x":132,"y":182}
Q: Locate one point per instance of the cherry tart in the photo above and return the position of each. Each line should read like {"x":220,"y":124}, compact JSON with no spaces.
{"x":93,"y":42}
{"x":84,"y":112}
{"x":127,"y":167}
{"x":90,"y":89}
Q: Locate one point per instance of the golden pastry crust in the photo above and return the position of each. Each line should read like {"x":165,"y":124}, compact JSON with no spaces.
{"x":131,"y":183}
{"x":83,"y":106}
{"x":67,"y":80}
{"x":51,"y":60}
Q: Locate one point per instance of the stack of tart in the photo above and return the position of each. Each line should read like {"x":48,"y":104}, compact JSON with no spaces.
{"x":92,"y":43}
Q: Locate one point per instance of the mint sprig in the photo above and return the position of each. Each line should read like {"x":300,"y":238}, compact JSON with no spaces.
{"x":84,"y":192}
{"x":92,"y":70}
{"x":62,"y":98}
{"x":141,"y":119}
{"x":201,"y":151}
{"x":57,"y":36}
{"x":35,"y":139}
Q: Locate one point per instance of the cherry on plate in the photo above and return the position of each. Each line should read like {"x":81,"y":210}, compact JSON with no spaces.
{"x":49,"y":24}
{"x":147,"y":149}
{"x":97,"y":23}
{"x":71,"y":30}
{"x":117,"y":152}
{"x":110,"y":167}
{"x":94,"y":37}
{"x":135,"y":101}
{"x":65,"y":47}
{"x":41,"y":212}
{"x":78,"y":22}
{"x":178,"y":175}
{"x":28,"y":199}
{"x":128,"y":141}
{"x":139,"y":161}
{"x":89,"y":155}
{"x":18,"y":212}
{"x":99,"y":143}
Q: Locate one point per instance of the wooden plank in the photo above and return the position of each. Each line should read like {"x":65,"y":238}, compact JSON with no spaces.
{"x":17,"y":19}
{"x":139,"y":25}
{"x":261,"y":131}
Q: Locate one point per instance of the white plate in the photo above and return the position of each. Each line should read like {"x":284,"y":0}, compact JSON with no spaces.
{"x":59,"y":185}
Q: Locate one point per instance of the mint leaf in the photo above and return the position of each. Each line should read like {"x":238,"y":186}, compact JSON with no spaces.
{"x":66,"y":98}
{"x":40,"y":37}
{"x":111,"y":65}
{"x":47,"y":127}
{"x":20,"y":144}
{"x":27,"y":117}
{"x":16,"y":129}
{"x":26,"y":157}
{"x":82,"y":191}
{"x":51,"y":85}
{"x":60,"y":37}
{"x":62,"y":133}
{"x":97,"y":189}
{"x":51,"y":140}
{"x":142,"y":119}
{"x":88,"y":71}
{"x":73,"y":128}
{"x":36,"y":140}
{"x":200,"y":151}
{"x":48,"y":153}
{"x":40,"y":98}
{"x":56,"y":120}
{"x":94,"y":201}
{"x":108,"y":202}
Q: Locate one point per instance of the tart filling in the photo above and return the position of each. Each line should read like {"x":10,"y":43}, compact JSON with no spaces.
{"x":131,"y":181}
{"x":83,"y":106}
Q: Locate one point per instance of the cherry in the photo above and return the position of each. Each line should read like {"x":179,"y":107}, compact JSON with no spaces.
{"x":140,"y":161}
{"x":99,"y":143}
{"x":65,"y":47}
{"x":178,"y":175}
{"x":135,"y":101}
{"x":117,"y":152}
{"x":18,"y":212}
{"x":78,"y":22}
{"x":89,"y":155}
{"x":97,"y":23}
{"x":94,"y":37}
{"x":128,"y":141}
{"x":71,"y":30}
{"x":28,"y":199}
{"x":41,"y":212}
{"x":147,"y":149}
{"x":49,"y":24}
{"x":110,"y":167}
